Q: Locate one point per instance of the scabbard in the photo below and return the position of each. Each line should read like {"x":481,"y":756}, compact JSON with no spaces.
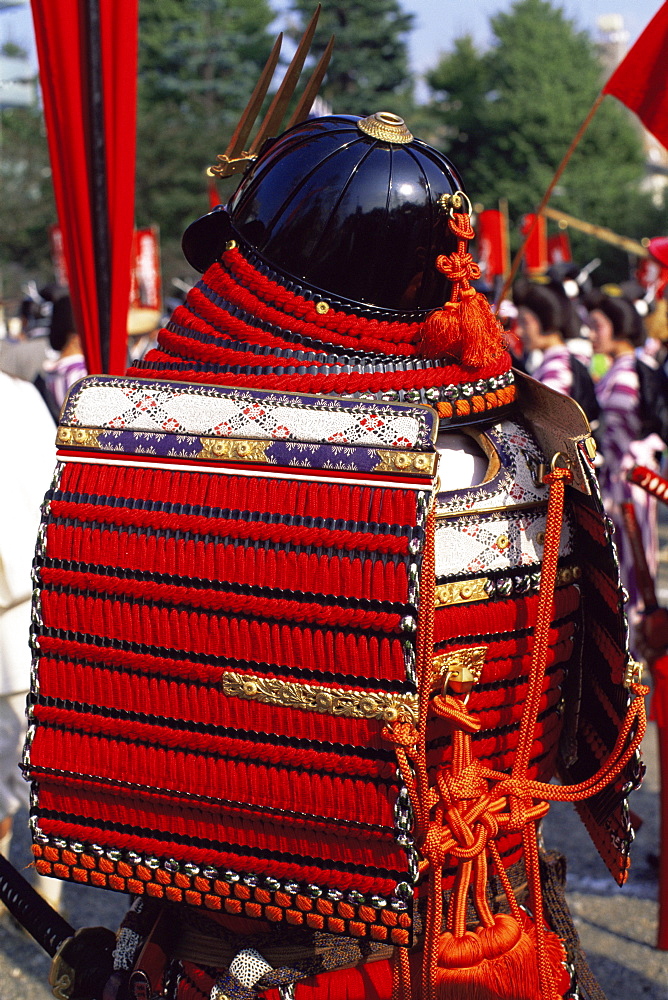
{"x":643,"y":574}
{"x":650,"y":481}
{"x":39,"y":919}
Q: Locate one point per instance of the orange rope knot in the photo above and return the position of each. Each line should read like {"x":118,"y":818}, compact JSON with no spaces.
{"x":458,"y":266}
{"x":456,"y":712}
{"x":465,"y":784}
{"x":459,"y":223}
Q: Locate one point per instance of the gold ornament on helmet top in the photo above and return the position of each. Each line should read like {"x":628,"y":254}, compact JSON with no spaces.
{"x":387,"y":127}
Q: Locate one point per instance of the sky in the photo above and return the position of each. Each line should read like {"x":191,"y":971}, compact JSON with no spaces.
{"x":437,"y":22}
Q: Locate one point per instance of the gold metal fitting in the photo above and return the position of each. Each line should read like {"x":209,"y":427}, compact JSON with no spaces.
{"x":457,"y":202}
{"x":387,"y":127}
{"x":560,"y":461}
{"x":633,"y":672}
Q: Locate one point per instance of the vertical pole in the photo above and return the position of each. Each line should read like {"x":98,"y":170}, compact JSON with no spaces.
{"x":98,"y":175}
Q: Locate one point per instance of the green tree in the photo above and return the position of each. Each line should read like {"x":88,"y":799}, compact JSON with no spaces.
{"x":26,"y":207}
{"x":198,"y":63}
{"x":369,"y":70}
{"x":507,"y":116}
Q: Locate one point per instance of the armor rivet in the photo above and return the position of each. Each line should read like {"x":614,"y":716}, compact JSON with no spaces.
{"x":322,"y":308}
{"x":243,"y":448}
{"x":231,"y":245}
{"x":503,"y":542}
{"x":465,"y":591}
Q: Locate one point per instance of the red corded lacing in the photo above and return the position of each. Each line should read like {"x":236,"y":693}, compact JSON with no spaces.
{"x":266,"y":301}
{"x":461,"y":815}
{"x":224,"y":601}
{"x":271,"y":293}
{"x":229,"y":527}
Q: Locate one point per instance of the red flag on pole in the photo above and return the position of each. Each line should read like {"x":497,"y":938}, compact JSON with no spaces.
{"x":535,"y":251}
{"x":640,"y":80}
{"x":492,"y":244}
{"x":87,"y":52}
{"x":559,"y":248}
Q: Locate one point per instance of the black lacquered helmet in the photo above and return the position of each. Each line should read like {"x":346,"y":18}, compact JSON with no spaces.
{"x":350,"y":207}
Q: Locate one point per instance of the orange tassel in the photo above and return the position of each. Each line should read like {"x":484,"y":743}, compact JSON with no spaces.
{"x":496,"y":963}
{"x":441,"y":332}
{"x":482,"y":335}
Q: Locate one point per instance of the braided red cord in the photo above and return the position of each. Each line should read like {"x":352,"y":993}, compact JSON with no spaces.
{"x":268,"y":291}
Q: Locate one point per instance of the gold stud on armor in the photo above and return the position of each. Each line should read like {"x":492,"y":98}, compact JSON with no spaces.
{"x":386,"y":126}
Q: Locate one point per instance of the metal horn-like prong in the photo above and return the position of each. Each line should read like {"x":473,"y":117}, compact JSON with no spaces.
{"x":312,"y":87}
{"x":247,"y":120}
{"x":278,"y":107}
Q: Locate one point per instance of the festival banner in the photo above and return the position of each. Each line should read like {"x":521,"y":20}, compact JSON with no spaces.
{"x":559,"y":248}
{"x":492,"y":245}
{"x":535,"y":251}
{"x":640,"y":81}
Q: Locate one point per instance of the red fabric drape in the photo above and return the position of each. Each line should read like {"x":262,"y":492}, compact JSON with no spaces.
{"x":63,"y":42}
{"x":640,"y":81}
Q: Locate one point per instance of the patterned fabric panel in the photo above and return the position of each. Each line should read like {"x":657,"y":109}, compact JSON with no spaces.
{"x":498,"y":526}
{"x":140,"y":404}
{"x":216,"y":658}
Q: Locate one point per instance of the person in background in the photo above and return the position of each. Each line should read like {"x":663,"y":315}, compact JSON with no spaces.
{"x":26,"y":478}
{"x":623,"y":439}
{"x":70,"y":365}
{"x":547,"y":323}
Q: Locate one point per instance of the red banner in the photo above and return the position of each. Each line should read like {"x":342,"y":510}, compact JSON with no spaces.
{"x":559,"y":248}
{"x":535,"y":252}
{"x":58,"y":256}
{"x":87,"y":52}
{"x":146,"y":288}
{"x":492,"y":245}
{"x":653,"y":276}
{"x":641,"y":79}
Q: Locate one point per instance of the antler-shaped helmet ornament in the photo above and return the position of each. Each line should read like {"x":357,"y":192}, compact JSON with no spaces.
{"x":235,"y":159}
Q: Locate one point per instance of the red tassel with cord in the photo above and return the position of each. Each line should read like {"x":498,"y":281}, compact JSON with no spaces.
{"x":465,"y":328}
{"x":496,"y":963}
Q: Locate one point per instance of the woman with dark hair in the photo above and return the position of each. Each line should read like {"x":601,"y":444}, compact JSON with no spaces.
{"x":624,"y":440}
{"x":547,"y":320}
{"x":70,"y":365}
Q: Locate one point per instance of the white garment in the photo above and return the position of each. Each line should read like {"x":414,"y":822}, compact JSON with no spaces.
{"x":462,"y":462}
{"x":27,"y":461}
